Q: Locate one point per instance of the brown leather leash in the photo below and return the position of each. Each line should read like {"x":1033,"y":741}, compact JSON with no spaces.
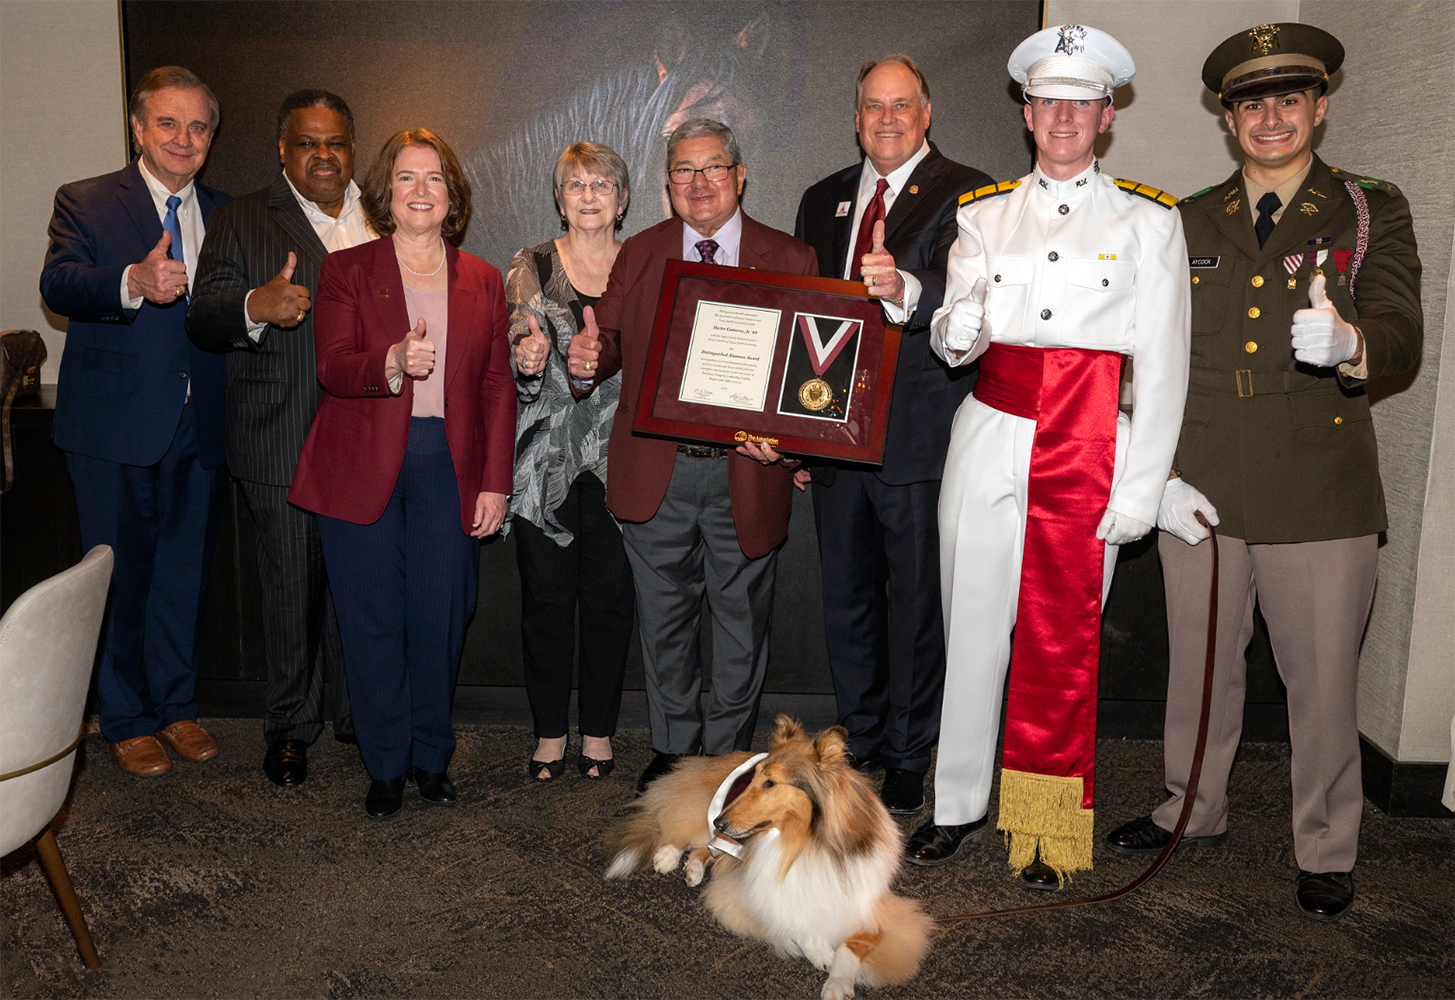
{"x":1189,"y":796}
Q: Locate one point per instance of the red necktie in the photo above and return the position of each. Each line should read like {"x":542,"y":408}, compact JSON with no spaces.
{"x":872,"y":214}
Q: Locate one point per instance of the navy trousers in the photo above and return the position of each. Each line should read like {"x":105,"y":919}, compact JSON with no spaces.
{"x":161,"y":523}
{"x":404,"y":590}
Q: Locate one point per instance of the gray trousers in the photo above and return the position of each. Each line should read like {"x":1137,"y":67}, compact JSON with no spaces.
{"x":1316,"y":598}
{"x":301,"y":643}
{"x":687,"y":550}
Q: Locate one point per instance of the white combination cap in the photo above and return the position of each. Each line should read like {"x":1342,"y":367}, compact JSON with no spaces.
{"x":1071,"y":62}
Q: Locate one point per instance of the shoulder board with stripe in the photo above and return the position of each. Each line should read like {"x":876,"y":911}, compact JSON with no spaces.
{"x":1367,"y":183}
{"x":1197,"y":194}
{"x":1150,"y":193}
{"x":988,"y":191}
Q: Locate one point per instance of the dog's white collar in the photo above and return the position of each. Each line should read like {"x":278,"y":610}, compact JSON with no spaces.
{"x":718,"y":842}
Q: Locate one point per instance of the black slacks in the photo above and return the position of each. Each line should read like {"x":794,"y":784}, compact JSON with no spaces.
{"x":591,"y":578}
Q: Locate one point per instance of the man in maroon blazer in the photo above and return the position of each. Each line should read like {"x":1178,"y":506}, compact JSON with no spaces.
{"x":696,"y":521}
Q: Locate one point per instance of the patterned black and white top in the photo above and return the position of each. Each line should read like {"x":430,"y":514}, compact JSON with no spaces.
{"x":557,"y":437}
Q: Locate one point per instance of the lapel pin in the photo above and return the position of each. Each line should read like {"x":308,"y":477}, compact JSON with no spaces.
{"x":384,"y":293}
{"x":842,"y":210}
{"x":914,"y":189}
{"x":1233,"y":207}
{"x":1308,"y":208}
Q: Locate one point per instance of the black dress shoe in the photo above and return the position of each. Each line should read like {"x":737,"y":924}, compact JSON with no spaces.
{"x":385,"y":798}
{"x":1324,"y":895}
{"x":435,"y":787}
{"x":1142,"y":836}
{"x":903,"y":793}
{"x":867,"y":763}
{"x":286,"y":763}
{"x":660,"y":765}
{"x":935,"y":845}
{"x":349,"y":737}
{"x":1039,"y":875}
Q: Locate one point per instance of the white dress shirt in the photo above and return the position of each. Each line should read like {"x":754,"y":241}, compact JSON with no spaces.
{"x":189,"y":220}
{"x":1083,"y":263}
{"x":728,"y":238}
{"x":868,"y":181}
{"x":349,"y":230}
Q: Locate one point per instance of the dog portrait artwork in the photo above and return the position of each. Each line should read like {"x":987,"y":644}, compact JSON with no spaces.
{"x":802,"y":855}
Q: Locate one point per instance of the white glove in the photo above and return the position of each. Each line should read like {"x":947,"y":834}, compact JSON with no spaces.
{"x":1119,"y":529}
{"x":1175,"y":514}
{"x":1320,"y":335}
{"x":967,"y":317}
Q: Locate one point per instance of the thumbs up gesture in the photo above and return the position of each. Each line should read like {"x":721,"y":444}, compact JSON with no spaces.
{"x":158,"y":278}
{"x":962,"y":327}
{"x":1320,"y":335}
{"x":585,"y":349}
{"x":532,"y":350}
{"x":414,"y":356}
{"x":880,"y":275}
{"x":280,"y":302}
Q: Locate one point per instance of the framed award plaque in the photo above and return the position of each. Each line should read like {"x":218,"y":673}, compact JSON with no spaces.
{"x":805,"y":365}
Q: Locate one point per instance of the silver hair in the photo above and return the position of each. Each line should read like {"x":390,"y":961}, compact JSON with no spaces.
{"x":905,"y":61}
{"x":592,"y":157}
{"x":172,"y":76}
{"x":704,"y":128}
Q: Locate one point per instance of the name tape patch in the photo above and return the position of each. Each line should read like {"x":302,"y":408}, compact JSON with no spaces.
{"x":1203,"y":261}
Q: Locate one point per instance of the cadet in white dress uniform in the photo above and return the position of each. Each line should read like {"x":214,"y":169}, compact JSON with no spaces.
{"x":1062,"y":258}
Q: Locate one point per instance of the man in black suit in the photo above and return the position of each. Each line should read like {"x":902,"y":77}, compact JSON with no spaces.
{"x":890,"y":221}
{"x":259,"y":267}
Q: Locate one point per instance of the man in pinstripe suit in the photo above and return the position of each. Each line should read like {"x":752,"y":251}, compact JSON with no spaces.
{"x":258,"y":269}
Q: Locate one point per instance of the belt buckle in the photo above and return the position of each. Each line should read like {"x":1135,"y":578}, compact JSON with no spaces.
{"x":1244,"y":378}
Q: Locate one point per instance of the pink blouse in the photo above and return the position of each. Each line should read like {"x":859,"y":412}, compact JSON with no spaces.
{"x":429,"y":392}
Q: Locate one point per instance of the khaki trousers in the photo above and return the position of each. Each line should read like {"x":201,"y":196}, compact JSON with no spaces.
{"x":1316,"y":598}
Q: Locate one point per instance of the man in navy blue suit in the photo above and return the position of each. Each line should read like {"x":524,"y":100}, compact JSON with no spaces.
{"x":139,"y":412}
{"x":890,"y":222}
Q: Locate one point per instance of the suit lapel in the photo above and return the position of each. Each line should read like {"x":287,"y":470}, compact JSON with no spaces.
{"x":752,"y":250}
{"x":1229,"y":214}
{"x":386,"y":289}
{"x":284,"y":210}
{"x":461,"y":314}
{"x":921,"y":179}
{"x":848,"y":191}
{"x":136,"y":198}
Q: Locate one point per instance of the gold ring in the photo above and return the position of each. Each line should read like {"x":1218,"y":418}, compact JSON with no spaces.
{"x":181,"y":290}
{"x":301,"y":314}
{"x":587,"y":365}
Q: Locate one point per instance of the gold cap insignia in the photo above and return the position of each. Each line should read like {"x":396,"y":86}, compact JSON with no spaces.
{"x":1265,"y":37}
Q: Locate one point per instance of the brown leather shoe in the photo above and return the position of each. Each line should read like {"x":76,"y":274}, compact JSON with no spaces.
{"x":141,"y":755}
{"x":189,"y":739}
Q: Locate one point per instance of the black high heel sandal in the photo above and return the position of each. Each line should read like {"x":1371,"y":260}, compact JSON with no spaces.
{"x":603,"y":767}
{"x":553,"y":768}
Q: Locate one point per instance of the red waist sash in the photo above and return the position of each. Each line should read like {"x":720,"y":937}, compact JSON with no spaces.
{"x":1050,"y":725}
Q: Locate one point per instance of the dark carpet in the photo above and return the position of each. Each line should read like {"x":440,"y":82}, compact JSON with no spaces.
{"x":211,"y":882}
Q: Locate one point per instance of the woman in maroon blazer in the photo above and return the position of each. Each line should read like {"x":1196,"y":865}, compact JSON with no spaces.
{"x":409,"y":461}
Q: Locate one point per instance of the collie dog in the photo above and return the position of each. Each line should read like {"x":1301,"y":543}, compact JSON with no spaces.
{"x":818,"y":853}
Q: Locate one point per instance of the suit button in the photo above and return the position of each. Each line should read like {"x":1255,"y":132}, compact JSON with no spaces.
{"x":997,"y":277}
{"x":1338,"y":420}
{"x":1196,"y":280}
{"x":1251,"y":346}
{"x":1254,"y":313}
{"x":1045,"y":314}
{"x":1053,"y":256}
{"x":1063,"y":209}
{"x":181,"y":374}
{"x":1257,"y":281}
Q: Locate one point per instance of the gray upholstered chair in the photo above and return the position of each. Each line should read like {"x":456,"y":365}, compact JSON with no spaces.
{"x":47,"y":647}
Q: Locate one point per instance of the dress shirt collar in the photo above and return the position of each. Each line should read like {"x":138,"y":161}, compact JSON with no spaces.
{"x":350,"y":228}
{"x":897,"y":178}
{"x":1070,"y":190}
{"x":1284,"y":191}
{"x":159,"y":191}
{"x":728,"y":238}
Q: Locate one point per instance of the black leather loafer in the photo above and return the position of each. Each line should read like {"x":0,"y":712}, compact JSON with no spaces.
{"x":1039,"y":875}
{"x":286,"y":763}
{"x":1324,"y":895}
{"x":1142,"y":836}
{"x":435,"y":787}
{"x":903,"y":793}
{"x":935,"y":845}
{"x":385,"y":798}
{"x":350,"y":738}
{"x":867,"y":763}
{"x":660,"y":765}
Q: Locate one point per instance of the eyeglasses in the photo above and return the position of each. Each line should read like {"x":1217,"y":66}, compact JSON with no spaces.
{"x":602,"y":188}
{"x":682,"y":176}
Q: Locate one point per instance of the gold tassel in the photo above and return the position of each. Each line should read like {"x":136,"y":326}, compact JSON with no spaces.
{"x":1041,"y":813}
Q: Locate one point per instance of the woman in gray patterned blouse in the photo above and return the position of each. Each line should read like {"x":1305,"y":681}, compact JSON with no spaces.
{"x":568,"y":546}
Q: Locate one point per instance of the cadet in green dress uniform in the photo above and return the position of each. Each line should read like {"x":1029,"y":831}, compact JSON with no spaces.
{"x":1305,"y":283}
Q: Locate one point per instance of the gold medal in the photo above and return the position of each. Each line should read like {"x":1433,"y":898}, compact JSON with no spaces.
{"x":815,"y":394}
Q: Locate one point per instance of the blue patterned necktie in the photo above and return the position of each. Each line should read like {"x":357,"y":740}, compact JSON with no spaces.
{"x":708,"y":250}
{"x":169,"y":223}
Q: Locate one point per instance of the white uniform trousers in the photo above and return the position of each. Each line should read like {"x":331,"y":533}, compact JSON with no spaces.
{"x":982,"y":535}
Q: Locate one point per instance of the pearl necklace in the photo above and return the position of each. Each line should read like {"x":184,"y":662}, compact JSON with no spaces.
{"x":420,"y":274}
